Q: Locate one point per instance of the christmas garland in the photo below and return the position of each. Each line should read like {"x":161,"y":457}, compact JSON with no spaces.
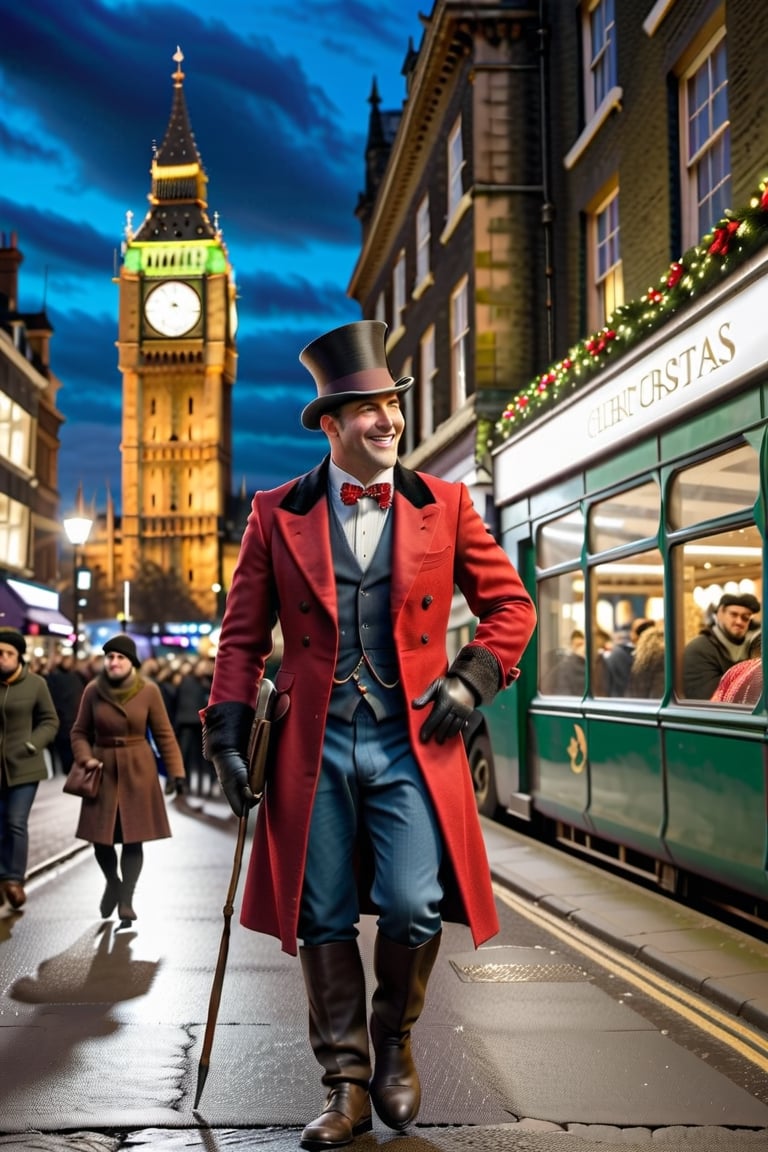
{"x":736,"y":237}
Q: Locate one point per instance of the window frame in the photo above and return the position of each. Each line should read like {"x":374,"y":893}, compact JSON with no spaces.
{"x":695,"y":223}
{"x":427,"y":373}
{"x":602,"y":302}
{"x":455,"y":168}
{"x":459,"y":336}
{"x":398,"y":291}
{"x":423,"y":241}
{"x":601,"y":62}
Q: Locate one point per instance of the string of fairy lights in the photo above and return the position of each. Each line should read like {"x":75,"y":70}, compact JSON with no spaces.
{"x":737,"y":236}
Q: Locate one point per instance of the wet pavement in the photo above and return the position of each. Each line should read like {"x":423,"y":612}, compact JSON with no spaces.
{"x":114,"y":1020}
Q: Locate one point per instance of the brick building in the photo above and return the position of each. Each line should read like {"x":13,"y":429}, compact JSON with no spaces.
{"x":30,"y":528}
{"x":549,"y":162}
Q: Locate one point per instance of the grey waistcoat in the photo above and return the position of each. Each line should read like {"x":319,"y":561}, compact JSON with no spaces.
{"x":367,"y":658}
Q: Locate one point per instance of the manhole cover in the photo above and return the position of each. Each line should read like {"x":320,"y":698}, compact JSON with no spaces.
{"x":519,"y":973}
{"x":515,"y":965}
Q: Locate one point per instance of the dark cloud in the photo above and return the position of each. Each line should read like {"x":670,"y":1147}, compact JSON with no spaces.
{"x":267,"y":294}
{"x":91,"y":459}
{"x":66,"y":249}
{"x":279,"y":151}
{"x":25,"y":147}
{"x":87,"y":91}
{"x":366,"y":25}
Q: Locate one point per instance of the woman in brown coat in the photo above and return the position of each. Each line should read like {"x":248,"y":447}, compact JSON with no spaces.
{"x":116,"y":710}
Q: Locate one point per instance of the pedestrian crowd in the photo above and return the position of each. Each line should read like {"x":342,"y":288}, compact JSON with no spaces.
{"x":184,"y":682}
{"x":128,"y":723}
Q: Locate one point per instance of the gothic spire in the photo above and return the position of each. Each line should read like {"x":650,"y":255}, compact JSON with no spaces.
{"x":178,"y":195}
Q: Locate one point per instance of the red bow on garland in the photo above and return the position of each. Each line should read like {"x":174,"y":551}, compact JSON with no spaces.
{"x":382,"y":493}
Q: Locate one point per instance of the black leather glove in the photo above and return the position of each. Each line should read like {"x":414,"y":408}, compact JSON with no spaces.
{"x":453,"y":704}
{"x":175,"y":786}
{"x":226,"y":729}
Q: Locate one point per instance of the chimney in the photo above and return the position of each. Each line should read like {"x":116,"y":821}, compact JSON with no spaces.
{"x":10,"y":259}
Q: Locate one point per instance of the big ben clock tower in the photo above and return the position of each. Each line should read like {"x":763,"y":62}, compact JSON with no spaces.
{"x":177,"y":355}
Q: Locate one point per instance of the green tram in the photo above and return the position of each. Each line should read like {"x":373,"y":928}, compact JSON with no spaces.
{"x":642,"y":495}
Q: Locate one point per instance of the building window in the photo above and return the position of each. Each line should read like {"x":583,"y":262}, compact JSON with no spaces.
{"x":15,"y":433}
{"x":455,"y":166}
{"x":427,"y":383}
{"x":459,"y":338}
{"x":410,"y":437}
{"x":422,"y":240}
{"x":707,"y":144}
{"x":14,"y":531}
{"x":398,"y":291}
{"x":600,"y":52}
{"x":605,"y":260}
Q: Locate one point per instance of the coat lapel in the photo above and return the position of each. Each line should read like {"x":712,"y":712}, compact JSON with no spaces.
{"x":302,"y":521}
{"x":417,"y":515}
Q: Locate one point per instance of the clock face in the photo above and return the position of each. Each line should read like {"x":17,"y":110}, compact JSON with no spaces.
{"x":173,"y":308}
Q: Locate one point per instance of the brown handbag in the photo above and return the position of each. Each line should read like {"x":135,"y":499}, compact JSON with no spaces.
{"x":83,"y":782}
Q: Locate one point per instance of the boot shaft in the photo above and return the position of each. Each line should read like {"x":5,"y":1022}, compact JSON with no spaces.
{"x":402,"y":974}
{"x":338,"y":1028}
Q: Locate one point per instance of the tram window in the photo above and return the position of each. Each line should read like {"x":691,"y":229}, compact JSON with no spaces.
{"x":627,"y":596}
{"x":704,"y":570}
{"x":625,"y":519}
{"x":562,"y":660}
{"x":717,"y":487}
{"x":560,"y":541}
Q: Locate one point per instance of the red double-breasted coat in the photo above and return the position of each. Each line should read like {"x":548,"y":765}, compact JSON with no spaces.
{"x":286,"y":566}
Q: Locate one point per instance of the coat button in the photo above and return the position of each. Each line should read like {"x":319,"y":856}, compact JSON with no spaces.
{"x":304,"y":606}
{"x":426,"y":602}
{"x":305,"y":641}
{"x":425,"y":638}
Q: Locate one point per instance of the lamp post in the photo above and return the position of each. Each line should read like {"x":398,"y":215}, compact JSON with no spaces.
{"x":78,"y":529}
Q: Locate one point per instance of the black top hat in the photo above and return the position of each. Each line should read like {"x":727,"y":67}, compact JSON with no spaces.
{"x":346,"y":363}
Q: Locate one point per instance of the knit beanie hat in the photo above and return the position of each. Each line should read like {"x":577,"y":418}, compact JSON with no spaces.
{"x":125,"y":646}
{"x":15,"y":638}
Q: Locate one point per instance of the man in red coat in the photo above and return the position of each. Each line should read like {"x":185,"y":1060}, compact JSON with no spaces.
{"x":369,"y":803}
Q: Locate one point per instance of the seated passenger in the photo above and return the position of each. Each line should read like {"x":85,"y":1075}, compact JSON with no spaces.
{"x":618,"y":662}
{"x":719,"y":646}
{"x":568,"y":675}
{"x":602,"y":644}
{"x":742,"y":684}
{"x":646,"y":677}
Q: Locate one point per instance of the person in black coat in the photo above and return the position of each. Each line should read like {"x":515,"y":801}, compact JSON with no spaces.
{"x":718,"y":647}
{"x":66,"y":687}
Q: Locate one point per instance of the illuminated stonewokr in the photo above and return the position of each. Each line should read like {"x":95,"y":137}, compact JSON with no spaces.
{"x":178,"y":360}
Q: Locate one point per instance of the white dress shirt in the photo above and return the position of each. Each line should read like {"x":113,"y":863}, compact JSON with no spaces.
{"x":364,"y":521}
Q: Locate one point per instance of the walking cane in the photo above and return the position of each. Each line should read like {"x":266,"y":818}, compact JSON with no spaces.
{"x":257,"y":758}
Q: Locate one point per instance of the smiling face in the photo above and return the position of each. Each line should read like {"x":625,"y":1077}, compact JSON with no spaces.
{"x":364,"y":435}
{"x":734,"y":621}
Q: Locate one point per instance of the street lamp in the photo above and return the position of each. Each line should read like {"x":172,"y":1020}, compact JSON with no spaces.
{"x":78,"y":529}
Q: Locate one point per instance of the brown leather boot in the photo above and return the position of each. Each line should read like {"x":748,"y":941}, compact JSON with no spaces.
{"x":338,"y":1033}
{"x":15,"y":894}
{"x":402,"y":974}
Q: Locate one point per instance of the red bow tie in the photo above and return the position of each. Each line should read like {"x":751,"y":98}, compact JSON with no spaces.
{"x":382,"y":493}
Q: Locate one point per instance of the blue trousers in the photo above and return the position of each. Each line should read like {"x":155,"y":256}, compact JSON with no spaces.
{"x":15,"y":805}
{"x":369,"y":780}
